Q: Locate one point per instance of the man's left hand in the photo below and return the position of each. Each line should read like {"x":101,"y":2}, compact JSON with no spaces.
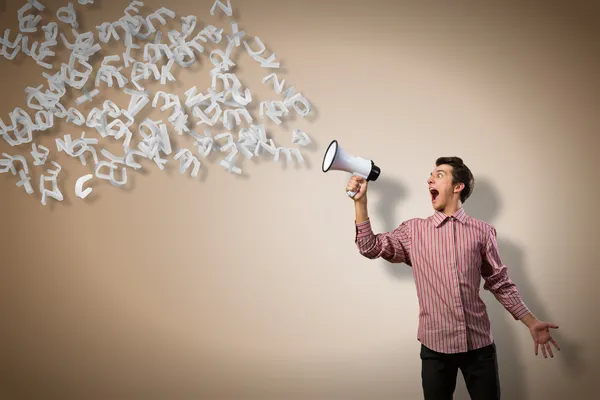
{"x":540,"y":332}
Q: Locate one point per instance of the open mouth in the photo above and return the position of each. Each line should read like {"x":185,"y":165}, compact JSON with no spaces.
{"x":434,"y":194}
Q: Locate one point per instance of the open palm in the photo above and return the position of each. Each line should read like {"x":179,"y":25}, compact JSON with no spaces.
{"x":540,"y":332}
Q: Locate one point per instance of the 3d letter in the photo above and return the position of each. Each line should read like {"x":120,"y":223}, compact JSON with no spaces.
{"x":226,"y":9}
{"x":79,"y":192}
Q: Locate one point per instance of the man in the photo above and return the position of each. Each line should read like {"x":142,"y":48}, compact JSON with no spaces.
{"x":449,"y":253}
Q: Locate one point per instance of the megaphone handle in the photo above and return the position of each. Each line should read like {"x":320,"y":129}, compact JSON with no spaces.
{"x":351,"y":193}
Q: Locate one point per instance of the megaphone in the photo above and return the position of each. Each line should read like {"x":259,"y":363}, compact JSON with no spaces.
{"x":336,"y":159}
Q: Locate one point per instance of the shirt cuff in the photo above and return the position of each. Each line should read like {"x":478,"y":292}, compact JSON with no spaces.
{"x":363,"y":228}
{"x":520,"y":311}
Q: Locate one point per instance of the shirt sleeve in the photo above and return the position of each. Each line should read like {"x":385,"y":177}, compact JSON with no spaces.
{"x":392,"y":246}
{"x":497,"y":281}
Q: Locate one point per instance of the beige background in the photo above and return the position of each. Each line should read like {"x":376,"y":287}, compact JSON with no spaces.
{"x":250,"y":287}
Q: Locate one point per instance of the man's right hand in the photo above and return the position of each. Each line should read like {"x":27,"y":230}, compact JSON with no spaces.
{"x":359,"y":185}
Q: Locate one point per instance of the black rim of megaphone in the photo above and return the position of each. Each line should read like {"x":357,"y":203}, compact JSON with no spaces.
{"x":325,"y":155}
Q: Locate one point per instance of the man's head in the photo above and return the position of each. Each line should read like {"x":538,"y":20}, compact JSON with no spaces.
{"x":450,"y":183}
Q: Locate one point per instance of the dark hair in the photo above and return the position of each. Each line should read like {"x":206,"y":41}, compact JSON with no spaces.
{"x":460,"y":174}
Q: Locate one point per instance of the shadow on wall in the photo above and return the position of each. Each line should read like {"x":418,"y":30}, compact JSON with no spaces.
{"x":485,"y":204}
{"x":391,"y":193}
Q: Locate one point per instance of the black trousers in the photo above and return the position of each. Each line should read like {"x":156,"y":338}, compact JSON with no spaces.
{"x":479,"y":368}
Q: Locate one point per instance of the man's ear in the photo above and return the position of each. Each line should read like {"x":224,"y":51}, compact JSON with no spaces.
{"x":459,"y":187}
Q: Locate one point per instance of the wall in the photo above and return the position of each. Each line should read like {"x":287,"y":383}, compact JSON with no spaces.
{"x":250,"y":287}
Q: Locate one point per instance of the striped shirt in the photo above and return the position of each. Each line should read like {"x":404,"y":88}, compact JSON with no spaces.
{"x":449,"y":255}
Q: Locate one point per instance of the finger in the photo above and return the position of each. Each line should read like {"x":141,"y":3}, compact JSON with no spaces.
{"x":357,"y":179}
{"x":544,"y":351}
{"x":554,"y":343}
{"x":535,"y":347}
{"x":353,"y":186}
{"x":549,"y":350}
{"x":553,"y":326}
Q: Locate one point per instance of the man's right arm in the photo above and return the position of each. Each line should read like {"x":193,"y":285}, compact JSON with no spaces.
{"x":362,"y":214}
{"x":392,"y":246}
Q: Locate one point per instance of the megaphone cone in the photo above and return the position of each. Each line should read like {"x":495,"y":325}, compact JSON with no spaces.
{"x":336,"y":159}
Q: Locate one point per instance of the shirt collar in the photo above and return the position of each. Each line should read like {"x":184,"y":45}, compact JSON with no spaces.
{"x":439,"y":217}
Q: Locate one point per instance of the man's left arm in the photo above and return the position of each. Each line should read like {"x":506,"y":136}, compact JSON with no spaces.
{"x":497,"y":281}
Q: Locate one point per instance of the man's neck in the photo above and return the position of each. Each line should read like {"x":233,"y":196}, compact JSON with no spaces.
{"x":451,"y":209}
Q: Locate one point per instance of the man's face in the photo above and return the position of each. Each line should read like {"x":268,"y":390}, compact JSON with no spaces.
{"x":440,"y":187}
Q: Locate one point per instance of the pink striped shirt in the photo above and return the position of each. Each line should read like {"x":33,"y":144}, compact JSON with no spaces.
{"x":449,"y":255}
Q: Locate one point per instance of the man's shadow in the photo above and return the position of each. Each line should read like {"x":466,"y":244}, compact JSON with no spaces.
{"x":485,"y":204}
{"x":389,"y":194}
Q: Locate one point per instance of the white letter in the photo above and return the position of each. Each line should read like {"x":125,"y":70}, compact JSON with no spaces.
{"x":79,"y":192}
